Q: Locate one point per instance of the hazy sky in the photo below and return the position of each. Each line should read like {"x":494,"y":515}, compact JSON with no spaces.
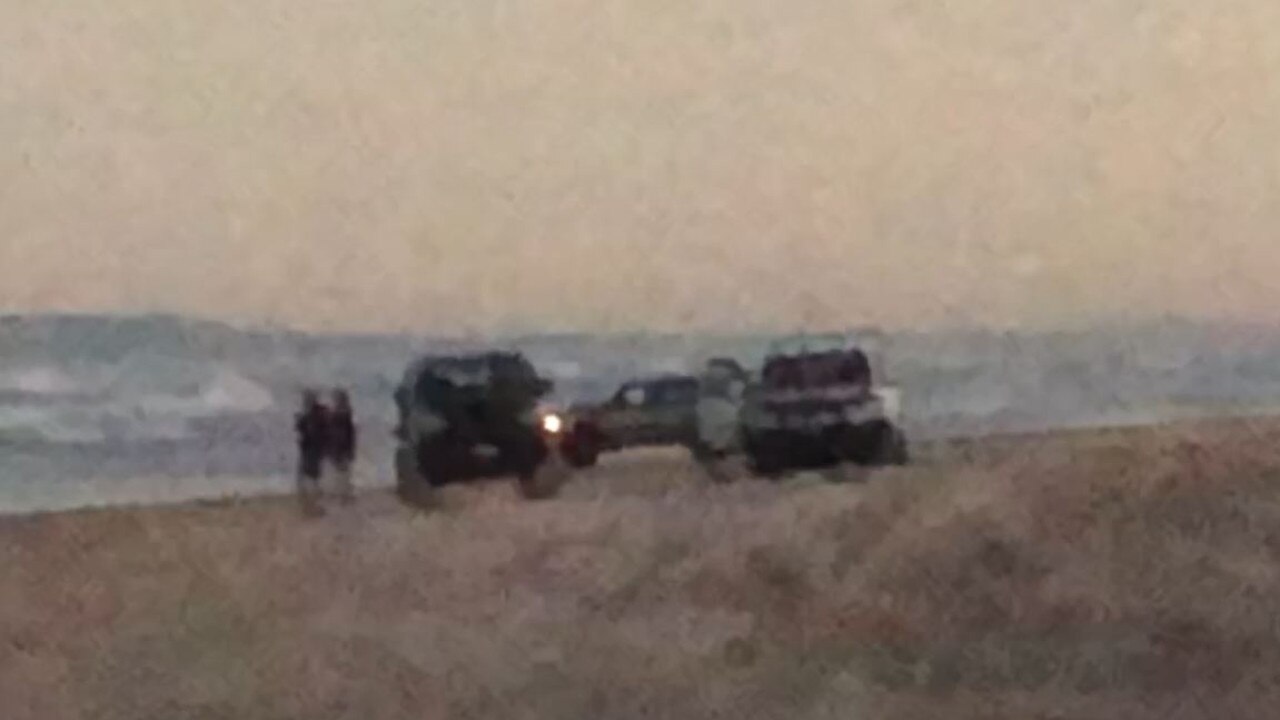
{"x":452,"y":164}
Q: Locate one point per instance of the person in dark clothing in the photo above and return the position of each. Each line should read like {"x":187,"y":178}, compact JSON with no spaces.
{"x":312,"y":427}
{"x":342,"y":442}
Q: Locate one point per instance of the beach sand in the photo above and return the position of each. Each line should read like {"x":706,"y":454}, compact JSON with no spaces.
{"x":1094,"y":574}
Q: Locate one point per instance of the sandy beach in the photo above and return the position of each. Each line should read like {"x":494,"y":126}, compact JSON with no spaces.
{"x":1126,"y":574}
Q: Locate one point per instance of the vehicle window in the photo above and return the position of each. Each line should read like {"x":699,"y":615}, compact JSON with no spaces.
{"x":817,"y":370}
{"x":782,"y":373}
{"x":677,"y":393}
{"x":854,"y":368}
{"x":430,"y":389}
{"x":633,"y":395}
{"x":820,"y":369}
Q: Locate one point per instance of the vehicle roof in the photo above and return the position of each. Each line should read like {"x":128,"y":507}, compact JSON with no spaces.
{"x":661,"y":378}
{"x":464,"y":364}
{"x":818,"y":343}
{"x":476,"y":357}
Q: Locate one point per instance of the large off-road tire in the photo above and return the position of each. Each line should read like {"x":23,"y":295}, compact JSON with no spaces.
{"x":411,"y":486}
{"x":540,"y":473}
{"x":896,"y":452}
{"x":888,"y":445}
{"x":441,"y":459}
{"x":766,"y":455}
{"x":581,"y":448}
{"x":874,"y":444}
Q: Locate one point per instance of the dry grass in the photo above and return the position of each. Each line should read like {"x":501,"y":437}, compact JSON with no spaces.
{"x":1128,"y":574}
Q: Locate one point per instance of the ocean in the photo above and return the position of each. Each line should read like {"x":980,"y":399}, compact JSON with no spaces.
{"x":104,"y":410}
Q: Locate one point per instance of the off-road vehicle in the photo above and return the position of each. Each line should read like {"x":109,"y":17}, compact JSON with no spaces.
{"x":648,"y":411}
{"x":816,"y":403}
{"x":471,"y":416}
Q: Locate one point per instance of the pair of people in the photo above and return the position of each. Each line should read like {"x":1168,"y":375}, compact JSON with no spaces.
{"x":325,"y":433}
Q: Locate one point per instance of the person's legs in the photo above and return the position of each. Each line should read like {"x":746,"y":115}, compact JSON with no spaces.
{"x":342,"y":474}
{"x":309,"y":486}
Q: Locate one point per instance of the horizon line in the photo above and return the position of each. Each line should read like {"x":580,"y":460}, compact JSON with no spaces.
{"x":275,"y":327}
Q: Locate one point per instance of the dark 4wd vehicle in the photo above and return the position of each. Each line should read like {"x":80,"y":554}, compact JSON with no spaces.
{"x":816,"y":405}
{"x":649,"y":411}
{"x":471,"y":416}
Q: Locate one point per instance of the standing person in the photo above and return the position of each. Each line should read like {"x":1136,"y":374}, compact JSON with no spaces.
{"x":342,"y":442}
{"x":312,"y":427}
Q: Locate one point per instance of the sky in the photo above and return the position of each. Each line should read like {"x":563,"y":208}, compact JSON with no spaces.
{"x":483,"y":165}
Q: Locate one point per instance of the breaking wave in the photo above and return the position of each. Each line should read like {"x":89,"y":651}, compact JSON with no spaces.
{"x":87,"y":424}
{"x":227,"y":392}
{"x":26,"y":423}
{"x":40,"y":380}
{"x":124,"y":417}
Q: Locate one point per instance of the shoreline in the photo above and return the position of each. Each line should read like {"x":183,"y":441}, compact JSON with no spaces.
{"x":144,"y":492}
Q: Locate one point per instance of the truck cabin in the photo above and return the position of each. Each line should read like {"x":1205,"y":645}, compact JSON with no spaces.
{"x":657,"y":391}
{"x":817,"y":370}
{"x":454,"y":384}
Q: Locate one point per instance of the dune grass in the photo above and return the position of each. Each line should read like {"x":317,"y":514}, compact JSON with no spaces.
{"x":1125,"y":574}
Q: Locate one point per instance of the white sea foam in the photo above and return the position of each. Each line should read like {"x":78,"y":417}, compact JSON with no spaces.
{"x":229,"y":391}
{"x":226,"y":392}
{"x":39,"y":380}
{"x":29,"y":423}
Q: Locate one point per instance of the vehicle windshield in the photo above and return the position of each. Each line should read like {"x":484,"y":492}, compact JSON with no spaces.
{"x":817,"y":370}
{"x":475,"y":376}
{"x":677,"y":392}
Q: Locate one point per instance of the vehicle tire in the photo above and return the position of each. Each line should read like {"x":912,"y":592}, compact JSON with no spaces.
{"x":540,"y":473}
{"x":766,"y":455}
{"x":411,"y":486}
{"x":580,"y":449}
{"x":438,"y":460}
{"x":698,"y":450}
{"x":886,"y":445}
{"x":853,"y":444}
{"x":875,"y":444}
{"x":896,"y":453}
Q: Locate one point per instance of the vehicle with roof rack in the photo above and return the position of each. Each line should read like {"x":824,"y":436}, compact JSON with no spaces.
{"x":474,"y":415}
{"x":818,"y":401}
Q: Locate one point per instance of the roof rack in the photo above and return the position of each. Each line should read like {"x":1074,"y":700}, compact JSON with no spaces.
{"x":823,"y":342}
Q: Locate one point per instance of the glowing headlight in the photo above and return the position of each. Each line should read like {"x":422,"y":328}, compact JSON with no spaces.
{"x":551,"y":423}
